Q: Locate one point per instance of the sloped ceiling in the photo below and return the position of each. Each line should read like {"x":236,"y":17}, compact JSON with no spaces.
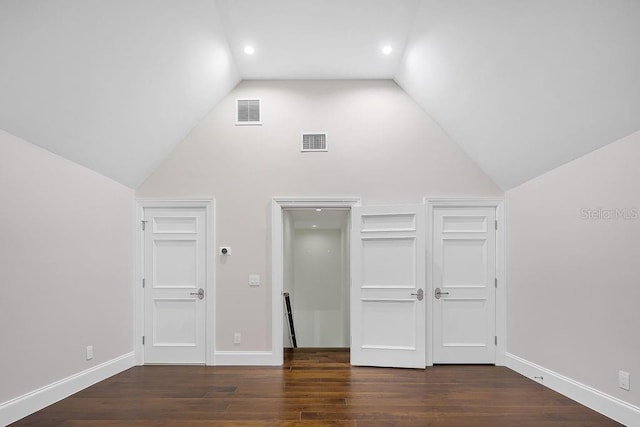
{"x":113,"y":85}
{"x":523,"y":86}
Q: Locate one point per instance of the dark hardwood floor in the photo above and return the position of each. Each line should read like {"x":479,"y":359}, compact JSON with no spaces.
{"x":317,"y":387}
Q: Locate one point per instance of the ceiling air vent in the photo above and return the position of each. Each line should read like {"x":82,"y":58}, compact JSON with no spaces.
{"x":248,"y":112}
{"x":314,"y":142}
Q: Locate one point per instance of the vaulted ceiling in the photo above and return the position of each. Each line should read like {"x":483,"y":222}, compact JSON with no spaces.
{"x":522,"y":86}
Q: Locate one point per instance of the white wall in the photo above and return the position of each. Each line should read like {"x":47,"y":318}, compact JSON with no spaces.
{"x":383,"y":148}
{"x":65,"y":267}
{"x":574,"y":281}
{"x":319,"y":288}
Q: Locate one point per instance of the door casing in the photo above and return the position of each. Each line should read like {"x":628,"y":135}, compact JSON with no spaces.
{"x":138,"y":291}
{"x":277,"y":259}
{"x":498,"y":204}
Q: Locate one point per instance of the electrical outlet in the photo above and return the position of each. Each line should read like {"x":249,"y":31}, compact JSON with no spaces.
{"x":237,"y":338}
{"x":623,"y":380}
{"x":89,"y":352}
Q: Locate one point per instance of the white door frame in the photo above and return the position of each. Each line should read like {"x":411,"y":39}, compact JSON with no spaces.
{"x":210,"y":288}
{"x":501,"y":301}
{"x":277,"y":258}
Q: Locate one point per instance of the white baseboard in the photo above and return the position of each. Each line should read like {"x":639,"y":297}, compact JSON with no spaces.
{"x":15,"y":409}
{"x":245,"y":358}
{"x":610,"y":406}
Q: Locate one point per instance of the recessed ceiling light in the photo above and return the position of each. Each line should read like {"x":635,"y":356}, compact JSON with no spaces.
{"x":387,"y":50}
{"x":314,"y":226}
{"x":249,"y":50}
{"x":318,"y":210}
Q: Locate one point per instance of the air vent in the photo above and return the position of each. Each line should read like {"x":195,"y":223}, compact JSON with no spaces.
{"x":248,"y":112}
{"x":314,"y":142}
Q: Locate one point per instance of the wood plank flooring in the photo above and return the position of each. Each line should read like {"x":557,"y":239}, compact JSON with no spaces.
{"x":317,"y":387}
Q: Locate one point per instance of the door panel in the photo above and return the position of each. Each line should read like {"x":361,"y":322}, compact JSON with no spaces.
{"x":473,"y":332}
{"x":174,"y":263}
{"x":377,"y":315}
{"x":464,"y":248}
{"x":174,"y":322}
{"x":174,"y":273}
{"x":387,"y":320}
{"x":170,"y":225}
{"x":388,"y":262}
{"x":464,"y":262}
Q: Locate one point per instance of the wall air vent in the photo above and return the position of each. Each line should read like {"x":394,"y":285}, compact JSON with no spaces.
{"x":314,"y":142}
{"x":248,"y":112}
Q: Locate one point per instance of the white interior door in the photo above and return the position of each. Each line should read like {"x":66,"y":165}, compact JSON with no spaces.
{"x":175,"y":277}
{"x":388,"y":273}
{"x":464,"y":271}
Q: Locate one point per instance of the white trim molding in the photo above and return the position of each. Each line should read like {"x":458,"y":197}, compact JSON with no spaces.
{"x":18,"y":408}
{"x":501,"y":291}
{"x":209,"y":206}
{"x":277,"y":259}
{"x":607,"y":405}
{"x":245,"y":358}
{"x":316,"y":202}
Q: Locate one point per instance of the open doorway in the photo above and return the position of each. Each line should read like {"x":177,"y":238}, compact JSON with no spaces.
{"x":316,"y":276}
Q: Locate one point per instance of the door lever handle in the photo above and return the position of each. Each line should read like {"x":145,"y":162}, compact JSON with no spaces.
{"x":439,"y":293}
{"x":419,"y":294}
{"x":199,"y":294}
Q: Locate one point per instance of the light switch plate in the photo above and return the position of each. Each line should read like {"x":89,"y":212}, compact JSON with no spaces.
{"x":254,"y":280}
{"x":623,"y":380}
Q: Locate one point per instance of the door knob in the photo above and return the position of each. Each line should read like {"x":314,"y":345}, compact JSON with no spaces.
{"x":419,"y":294}
{"x":439,"y":293}
{"x":199,"y":294}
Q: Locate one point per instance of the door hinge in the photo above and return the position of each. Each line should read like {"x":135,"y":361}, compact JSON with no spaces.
{"x":496,"y":339}
{"x":143,"y":282}
{"x":143,"y":340}
{"x":496,"y":224}
{"x":495,"y":282}
{"x":144,"y":224}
